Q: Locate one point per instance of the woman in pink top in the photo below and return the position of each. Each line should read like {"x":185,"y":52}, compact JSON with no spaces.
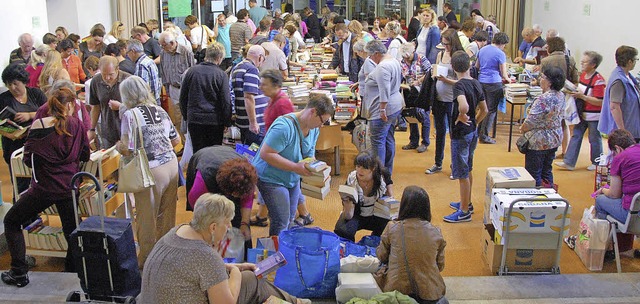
{"x":279,"y":104}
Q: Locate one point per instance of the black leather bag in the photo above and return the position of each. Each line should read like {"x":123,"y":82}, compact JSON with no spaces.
{"x":523,"y":143}
{"x":427,"y":94}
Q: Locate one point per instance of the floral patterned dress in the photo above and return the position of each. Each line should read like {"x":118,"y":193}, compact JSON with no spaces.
{"x":545,"y":119}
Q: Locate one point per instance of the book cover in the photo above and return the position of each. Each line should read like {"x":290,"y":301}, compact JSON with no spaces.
{"x":314,"y":165}
{"x":270,"y":264}
{"x":321,"y":189}
{"x":348,"y":193}
{"x":316,"y":195}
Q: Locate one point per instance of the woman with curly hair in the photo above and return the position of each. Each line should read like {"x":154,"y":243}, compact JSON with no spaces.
{"x":219,"y":169}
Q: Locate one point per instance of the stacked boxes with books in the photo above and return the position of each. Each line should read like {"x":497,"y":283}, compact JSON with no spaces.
{"x":317,"y":185}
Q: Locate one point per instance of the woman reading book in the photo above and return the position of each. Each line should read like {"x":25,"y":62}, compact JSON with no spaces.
{"x":371,"y":182}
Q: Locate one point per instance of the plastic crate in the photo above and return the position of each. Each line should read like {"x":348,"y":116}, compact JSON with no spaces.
{"x":245,"y":151}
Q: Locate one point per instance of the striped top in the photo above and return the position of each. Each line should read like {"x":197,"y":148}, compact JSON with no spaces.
{"x":245,"y":78}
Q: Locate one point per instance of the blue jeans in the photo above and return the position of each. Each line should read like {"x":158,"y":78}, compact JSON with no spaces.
{"x":571,"y":157}
{"x":610,"y":206}
{"x":538,"y":164}
{"x":383,"y":142}
{"x":441,"y":115}
{"x":282,"y":203}
{"x":462,"y":155}
{"x":414,"y":133}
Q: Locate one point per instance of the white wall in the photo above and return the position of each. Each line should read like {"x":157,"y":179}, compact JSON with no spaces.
{"x":608,"y":25}
{"x":63,"y":13}
{"x":25,"y":16}
{"x":78,"y":16}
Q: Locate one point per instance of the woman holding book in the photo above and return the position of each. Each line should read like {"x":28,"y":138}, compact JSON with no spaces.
{"x":24,"y":101}
{"x":185,"y":266}
{"x":290,"y":139}
{"x":371,"y":182}
{"x":53,"y":149}
{"x":413,"y":250}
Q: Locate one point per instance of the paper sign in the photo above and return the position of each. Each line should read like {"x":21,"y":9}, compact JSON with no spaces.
{"x":179,"y":8}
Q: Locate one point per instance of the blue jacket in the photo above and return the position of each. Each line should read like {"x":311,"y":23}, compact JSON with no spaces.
{"x":630,"y":105}
{"x":433,"y":38}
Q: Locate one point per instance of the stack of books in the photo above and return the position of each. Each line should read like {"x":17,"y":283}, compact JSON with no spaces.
{"x":534,"y":91}
{"x":386,"y":207}
{"x":39,"y":236}
{"x":317,"y":185}
{"x":97,"y":159}
{"x":299,"y":94}
{"x":516,"y":92}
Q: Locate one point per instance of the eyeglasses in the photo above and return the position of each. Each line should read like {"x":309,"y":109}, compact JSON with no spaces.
{"x":324,"y":122}
{"x":542,"y":76}
{"x":444,"y":43}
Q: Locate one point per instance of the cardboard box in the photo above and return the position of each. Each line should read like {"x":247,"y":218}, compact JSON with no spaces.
{"x":528,"y":217}
{"x":496,"y":179}
{"x":529,"y":260}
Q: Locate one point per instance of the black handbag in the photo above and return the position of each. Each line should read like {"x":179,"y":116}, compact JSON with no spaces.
{"x":427,"y":94}
{"x":523,"y":143}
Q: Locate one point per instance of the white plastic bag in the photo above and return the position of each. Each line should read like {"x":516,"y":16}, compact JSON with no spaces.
{"x":354,"y":264}
{"x":232,"y":246}
{"x":361,"y":136}
{"x":571,"y":111}
{"x":187,"y":152}
{"x":594,"y":233}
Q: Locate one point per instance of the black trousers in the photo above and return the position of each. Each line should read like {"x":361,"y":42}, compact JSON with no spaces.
{"x":347,"y":228}
{"x":27,"y":207}
{"x":203,"y":136}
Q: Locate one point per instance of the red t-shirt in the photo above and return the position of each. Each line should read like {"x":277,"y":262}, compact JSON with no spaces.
{"x":277,"y":107}
{"x":596,"y":87}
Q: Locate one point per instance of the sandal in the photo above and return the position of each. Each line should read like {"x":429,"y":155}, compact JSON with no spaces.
{"x":260,"y":222}
{"x":571,"y":241}
{"x":304,"y":220}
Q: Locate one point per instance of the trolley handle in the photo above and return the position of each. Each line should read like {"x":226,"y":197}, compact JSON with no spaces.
{"x":74,"y":179}
{"x":99,"y":189}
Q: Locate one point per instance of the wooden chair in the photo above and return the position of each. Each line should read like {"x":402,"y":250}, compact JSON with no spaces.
{"x":630,"y":226}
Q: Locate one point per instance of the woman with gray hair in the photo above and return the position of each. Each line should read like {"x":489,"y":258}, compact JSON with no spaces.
{"x":395,"y":40}
{"x":414,"y":68}
{"x":185,"y":265}
{"x":384,"y":100}
{"x":156,"y":205}
{"x":365,"y":70}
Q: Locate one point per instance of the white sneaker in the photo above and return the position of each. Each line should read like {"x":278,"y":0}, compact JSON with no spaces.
{"x":563,"y":165}
{"x":591,"y":167}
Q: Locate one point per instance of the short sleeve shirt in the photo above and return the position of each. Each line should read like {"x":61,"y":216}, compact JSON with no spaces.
{"x":490,"y":58}
{"x":594,"y":87}
{"x":472,"y":91}
{"x":275,"y":60}
{"x":627,"y":166}
{"x":157,"y":133}
{"x":152,"y":48}
{"x":101,"y":93}
{"x":284,"y":137}
{"x":245,"y":78}
{"x":223,"y":38}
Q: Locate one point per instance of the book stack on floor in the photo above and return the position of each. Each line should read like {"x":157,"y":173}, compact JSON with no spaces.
{"x":39,"y":236}
{"x":317,"y":185}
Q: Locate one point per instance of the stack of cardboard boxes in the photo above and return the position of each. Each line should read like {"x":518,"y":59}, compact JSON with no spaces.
{"x":534,"y":225}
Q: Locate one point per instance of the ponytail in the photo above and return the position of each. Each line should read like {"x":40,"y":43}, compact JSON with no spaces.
{"x":58,"y":108}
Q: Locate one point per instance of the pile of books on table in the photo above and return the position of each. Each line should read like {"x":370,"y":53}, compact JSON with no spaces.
{"x":516,"y":92}
{"x":317,"y":185}
{"x":534,"y":91}
{"x":299,"y":94}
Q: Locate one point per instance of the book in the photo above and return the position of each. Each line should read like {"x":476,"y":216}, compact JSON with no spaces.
{"x":318,"y":178}
{"x":317,"y":182}
{"x":7,"y":113}
{"x":270,"y":264}
{"x":318,"y":189}
{"x":314,"y":165}
{"x":440,"y":70}
{"x":348,"y":192}
{"x":12,"y":130}
{"x":316,"y":195}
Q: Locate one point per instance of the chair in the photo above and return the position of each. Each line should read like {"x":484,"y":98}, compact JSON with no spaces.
{"x":330,"y":137}
{"x":630,"y":226}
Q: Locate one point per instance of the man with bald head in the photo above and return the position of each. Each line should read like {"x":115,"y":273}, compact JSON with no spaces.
{"x":537,"y":44}
{"x":23,"y":53}
{"x":250,"y":101}
{"x":105,"y":101}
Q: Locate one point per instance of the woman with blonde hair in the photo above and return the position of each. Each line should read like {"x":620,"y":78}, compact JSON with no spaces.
{"x":429,"y":35}
{"x":61,"y":33}
{"x":116,"y":33}
{"x":52,"y":70}
{"x":357,"y":29}
{"x":36,"y":63}
{"x":156,"y":205}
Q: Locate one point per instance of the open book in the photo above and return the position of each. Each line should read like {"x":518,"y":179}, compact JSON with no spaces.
{"x":8,"y":127}
{"x":348,"y":192}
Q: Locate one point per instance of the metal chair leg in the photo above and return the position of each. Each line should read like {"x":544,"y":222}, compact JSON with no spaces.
{"x":614,"y":237}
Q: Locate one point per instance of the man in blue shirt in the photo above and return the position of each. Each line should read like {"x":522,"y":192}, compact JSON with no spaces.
{"x":277,"y":27}
{"x":256,"y":12}
{"x":221,"y":33}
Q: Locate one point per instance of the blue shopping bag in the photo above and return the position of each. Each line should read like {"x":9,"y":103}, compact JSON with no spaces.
{"x":313,"y":262}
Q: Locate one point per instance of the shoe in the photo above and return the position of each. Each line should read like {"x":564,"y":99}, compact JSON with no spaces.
{"x":571,"y":241}
{"x":433,"y":169}
{"x":457,"y":217}
{"x":10,"y":278}
{"x":488,"y":140}
{"x":260,"y":222}
{"x":451,"y":177}
{"x":560,"y":156}
{"x":422,"y":149}
{"x":304,"y":220}
{"x":636,"y":253}
{"x":591,"y":167}
{"x":609,"y":255}
{"x":409,"y":147}
{"x":456,"y":206}
{"x":563,"y":165}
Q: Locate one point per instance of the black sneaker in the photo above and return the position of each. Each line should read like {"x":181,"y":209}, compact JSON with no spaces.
{"x":10,"y":278}
{"x":433,"y":169}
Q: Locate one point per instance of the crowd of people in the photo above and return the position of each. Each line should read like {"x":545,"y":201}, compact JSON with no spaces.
{"x":78,"y":93}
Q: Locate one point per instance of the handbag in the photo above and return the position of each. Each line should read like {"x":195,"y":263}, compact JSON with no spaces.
{"x":523,"y":143}
{"x":200,"y":52}
{"x":134,"y":174}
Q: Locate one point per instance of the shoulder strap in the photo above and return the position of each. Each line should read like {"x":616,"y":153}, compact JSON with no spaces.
{"x":414,"y":286}
{"x":137,"y":135}
{"x":586,"y":91}
{"x":295,"y":122}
